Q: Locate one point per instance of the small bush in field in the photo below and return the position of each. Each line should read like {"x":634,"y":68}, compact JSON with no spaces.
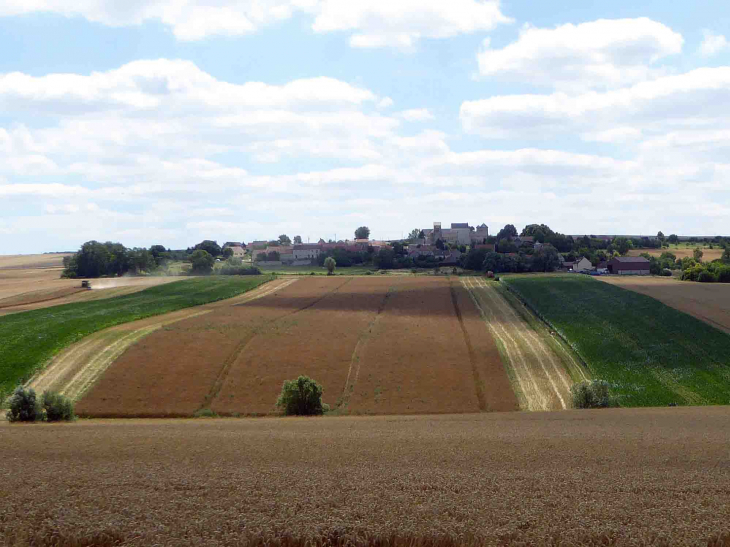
{"x":301,"y":397}
{"x":23,"y":406}
{"x":592,"y":394}
{"x":57,"y":408}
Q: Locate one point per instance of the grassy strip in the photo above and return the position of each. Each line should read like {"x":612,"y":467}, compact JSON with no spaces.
{"x":650,"y":353}
{"x":30,"y":339}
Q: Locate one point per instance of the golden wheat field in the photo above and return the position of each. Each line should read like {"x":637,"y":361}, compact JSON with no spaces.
{"x":709,"y":302}
{"x":605,"y":477}
{"x":708,"y":255}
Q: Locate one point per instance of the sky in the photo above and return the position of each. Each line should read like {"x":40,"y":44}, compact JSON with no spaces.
{"x":173,"y":121}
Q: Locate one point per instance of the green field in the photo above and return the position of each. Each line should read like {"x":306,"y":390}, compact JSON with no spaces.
{"x":30,"y":339}
{"x":653,"y":355}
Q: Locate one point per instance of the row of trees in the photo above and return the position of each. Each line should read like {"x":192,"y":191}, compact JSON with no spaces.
{"x":717,"y":271}
{"x":95,"y":259}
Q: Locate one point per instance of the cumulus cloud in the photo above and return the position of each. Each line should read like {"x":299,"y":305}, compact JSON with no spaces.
{"x":696,"y":99}
{"x":375,"y":23}
{"x":416,"y":115}
{"x":598,"y":54}
{"x":713,"y":43}
{"x":380,"y":23}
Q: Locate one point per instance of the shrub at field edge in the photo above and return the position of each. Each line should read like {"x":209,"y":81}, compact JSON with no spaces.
{"x":301,"y":397}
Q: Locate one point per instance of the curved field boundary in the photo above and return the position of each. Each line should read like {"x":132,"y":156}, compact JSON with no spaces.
{"x":541,"y":378}
{"x":77,"y":368}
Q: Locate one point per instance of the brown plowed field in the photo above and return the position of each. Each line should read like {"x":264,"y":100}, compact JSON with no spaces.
{"x":318,"y":341}
{"x":173,"y":371}
{"x":709,"y":302}
{"x":378,"y":345}
{"x":416,"y":359}
{"x":615,"y":477}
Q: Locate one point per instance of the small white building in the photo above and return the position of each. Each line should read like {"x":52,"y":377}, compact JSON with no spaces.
{"x":582,"y":265}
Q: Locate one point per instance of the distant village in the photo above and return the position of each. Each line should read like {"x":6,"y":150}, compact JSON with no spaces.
{"x":537,"y":248}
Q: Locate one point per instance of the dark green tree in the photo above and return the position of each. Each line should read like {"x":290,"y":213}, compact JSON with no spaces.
{"x":385,"y":259}
{"x":202,"y":262}
{"x":301,"y":397}
{"x":297,"y":240}
{"x":363,"y":232}
{"x":209,"y":246}
{"x":284,"y":239}
{"x":508,"y":232}
{"x":622,"y":245}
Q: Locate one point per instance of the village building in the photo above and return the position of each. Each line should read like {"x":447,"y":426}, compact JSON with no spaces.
{"x":581,"y":265}
{"x":460,"y":233}
{"x":629,"y":265}
{"x":306,"y":252}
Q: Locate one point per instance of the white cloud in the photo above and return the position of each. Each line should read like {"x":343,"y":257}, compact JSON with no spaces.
{"x":713,"y":43}
{"x":598,"y":54}
{"x":386,"y":102}
{"x":690,"y":101}
{"x":380,"y":23}
{"x":416,"y":115}
{"x":376,"y":23}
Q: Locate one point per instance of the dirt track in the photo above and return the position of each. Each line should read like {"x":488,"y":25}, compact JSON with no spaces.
{"x":607,"y":477}
{"x":539,"y":375}
{"x":709,"y":302}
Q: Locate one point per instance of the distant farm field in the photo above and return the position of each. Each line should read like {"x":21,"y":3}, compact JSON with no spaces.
{"x":682,"y":251}
{"x":651,"y":353}
{"x":378,"y":345}
{"x":707,"y":301}
{"x":31,"y":338}
{"x":31,"y":282}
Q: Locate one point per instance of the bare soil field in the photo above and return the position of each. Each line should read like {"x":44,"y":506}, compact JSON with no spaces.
{"x":320,"y":341}
{"x":73,"y":371}
{"x":540,"y":374}
{"x":416,"y":359}
{"x":709,"y":302}
{"x":623,"y":477}
{"x":681,"y":252}
{"x":390,"y":345}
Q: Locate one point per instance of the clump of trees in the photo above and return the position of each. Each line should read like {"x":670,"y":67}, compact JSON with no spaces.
{"x":96,"y":259}
{"x":301,"y":397}
{"x":24,"y":406}
{"x":592,"y":394}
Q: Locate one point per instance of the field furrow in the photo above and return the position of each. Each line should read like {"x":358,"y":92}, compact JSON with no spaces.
{"x":539,"y":373}
{"x":318,"y":341}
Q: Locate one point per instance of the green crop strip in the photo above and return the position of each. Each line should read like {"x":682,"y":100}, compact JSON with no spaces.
{"x":652,"y":355}
{"x":29,"y":339}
